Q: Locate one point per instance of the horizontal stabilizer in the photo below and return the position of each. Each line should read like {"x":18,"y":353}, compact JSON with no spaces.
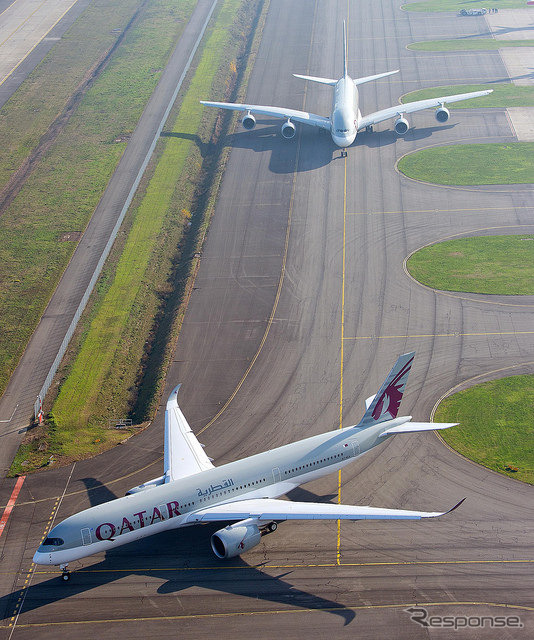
{"x":329,"y":81}
{"x":413,"y":427}
{"x":375,"y":77}
{"x":268,"y":509}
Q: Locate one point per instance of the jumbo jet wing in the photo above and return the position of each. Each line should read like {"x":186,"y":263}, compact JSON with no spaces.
{"x":268,"y":509}
{"x":276,"y":112}
{"x":184,"y":454}
{"x":419,"y":105}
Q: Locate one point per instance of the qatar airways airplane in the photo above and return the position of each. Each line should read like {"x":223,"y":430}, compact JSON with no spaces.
{"x":193,"y":491}
{"x":345,"y":120}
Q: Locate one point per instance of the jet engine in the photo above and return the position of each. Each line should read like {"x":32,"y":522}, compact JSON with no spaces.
{"x":442,"y":114}
{"x":249,"y":121}
{"x":235,"y":539}
{"x":401,"y":126}
{"x":288,"y":130}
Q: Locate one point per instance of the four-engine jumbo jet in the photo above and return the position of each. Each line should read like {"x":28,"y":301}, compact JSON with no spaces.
{"x":346,"y":119}
{"x":192,"y":490}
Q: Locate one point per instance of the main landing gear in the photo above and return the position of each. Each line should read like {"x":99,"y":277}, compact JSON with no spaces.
{"x":65,"y":573}
{"x":369,"y":128}
{"x":270,"y":528}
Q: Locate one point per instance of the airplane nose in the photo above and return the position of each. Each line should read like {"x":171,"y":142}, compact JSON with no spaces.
{"x":41,"y":558}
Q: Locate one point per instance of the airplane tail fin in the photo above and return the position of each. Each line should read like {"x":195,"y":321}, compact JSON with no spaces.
{"x":345,"y":71}
{"x":385,"y":404}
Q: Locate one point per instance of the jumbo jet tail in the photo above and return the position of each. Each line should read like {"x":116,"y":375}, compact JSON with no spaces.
{"x":384,"y":406}
{"x":345,"y":69}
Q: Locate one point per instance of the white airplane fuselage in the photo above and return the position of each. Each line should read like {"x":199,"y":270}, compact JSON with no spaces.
{"x":265,"y":475}
{"x":345,"y":112}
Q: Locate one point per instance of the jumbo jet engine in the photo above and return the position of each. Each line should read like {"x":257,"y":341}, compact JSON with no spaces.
{"x":248,"y":121}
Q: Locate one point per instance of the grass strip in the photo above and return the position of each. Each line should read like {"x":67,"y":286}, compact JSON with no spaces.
{"x":502,"y":265}
{"x":504,"y":95}
{"x":472,"y":164}
{"x":456,"y":5}
{"x":465,"y":44}
{"x":74,"y":409}
{"x":495,"y":425}
{"x":60,"y":195}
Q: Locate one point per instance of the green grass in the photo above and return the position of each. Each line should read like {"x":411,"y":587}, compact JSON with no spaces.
{"x":456,"y":5}
{"x":464,"y":44}
{"x":62,"y":192}
{"x":472,"y":164}
{"x":79,"y":407}
{"x":504,"y":95}
{"x":495,"y":425}
{"x":501,"y":265}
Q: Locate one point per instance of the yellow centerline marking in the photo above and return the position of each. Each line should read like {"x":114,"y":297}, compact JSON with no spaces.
{"x":324,"y":565}
{"x":341,"y":353}
{"x":31,"y":571}
{"x":237,"y":614}
{"x":454,"y":334}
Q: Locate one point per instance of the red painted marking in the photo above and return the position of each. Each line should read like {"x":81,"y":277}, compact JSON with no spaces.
{"x":11,"y":503}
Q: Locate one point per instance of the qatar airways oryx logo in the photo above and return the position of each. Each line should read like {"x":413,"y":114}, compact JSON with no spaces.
{"x":390,"y":399}
{"x":109,"y":531}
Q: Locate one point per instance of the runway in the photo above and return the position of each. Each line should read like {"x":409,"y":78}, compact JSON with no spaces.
{"x":300,"y":307}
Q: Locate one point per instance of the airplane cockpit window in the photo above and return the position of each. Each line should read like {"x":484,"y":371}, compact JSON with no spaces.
{"x":54,"y":542}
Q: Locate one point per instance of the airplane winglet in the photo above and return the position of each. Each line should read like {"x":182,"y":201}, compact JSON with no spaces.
{"x":455,"y":507}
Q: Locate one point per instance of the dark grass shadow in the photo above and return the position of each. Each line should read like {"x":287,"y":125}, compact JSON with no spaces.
{"x":181,"y":559}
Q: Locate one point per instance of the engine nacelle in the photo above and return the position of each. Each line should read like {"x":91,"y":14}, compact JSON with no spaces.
{"x":235,"y":539}
{"x":288,"y":130}
{"x":442,"y":114}
{"x":150,"y":484}
{"x":249,"y":121}
{"x":401,"y":126}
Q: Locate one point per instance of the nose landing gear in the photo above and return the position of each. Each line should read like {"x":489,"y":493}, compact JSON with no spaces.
{"x":343,"y":153}
{"x":65,"y":573}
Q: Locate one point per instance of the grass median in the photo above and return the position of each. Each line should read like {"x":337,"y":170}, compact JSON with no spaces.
{"x":465,"y":44}
{"x":495,"y":425}
{"x":472,"y":164}
{"x":504,"y":95}
{"x":104,"y":376}
{"x":500,"y":265}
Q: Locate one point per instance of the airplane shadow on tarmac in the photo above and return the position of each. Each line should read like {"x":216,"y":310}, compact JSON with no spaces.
{"x":182,"y":559}
{"x":316,"y":146}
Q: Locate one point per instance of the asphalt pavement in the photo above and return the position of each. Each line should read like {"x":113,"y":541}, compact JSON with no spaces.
{"x":301,"y":305}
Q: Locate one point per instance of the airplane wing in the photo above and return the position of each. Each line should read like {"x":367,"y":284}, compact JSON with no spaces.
{"x":276,"y":112}
{"x":267,"y":509}
{"x":419,"y":105}
{"x":184,"y":454}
